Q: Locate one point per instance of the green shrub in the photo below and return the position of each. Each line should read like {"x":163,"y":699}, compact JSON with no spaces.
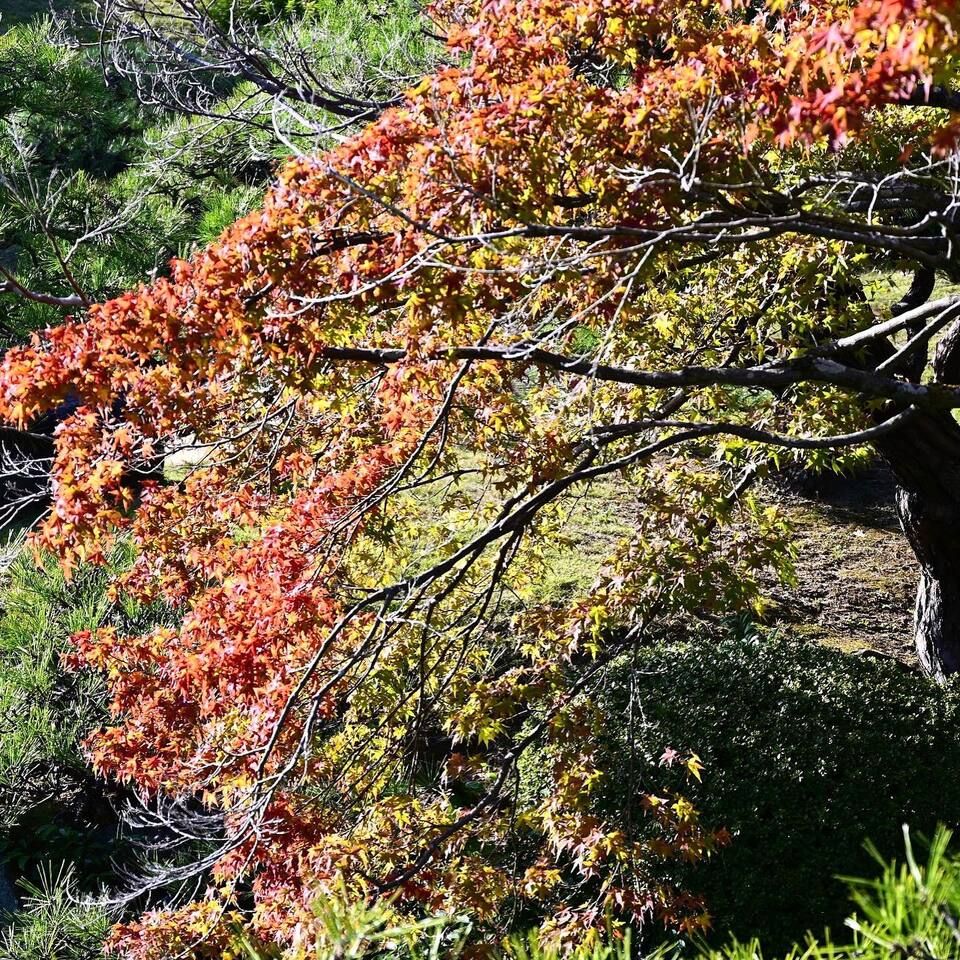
{"x":532,"y":948}
{"x":808,"y":752}
{"x":912,"y":910}
{"x":54,"y":924}
{"x":51,"y":805}
{"x":52,"y":91}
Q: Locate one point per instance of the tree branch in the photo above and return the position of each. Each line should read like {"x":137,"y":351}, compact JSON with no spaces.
{"x":774,"y":376}
{"x":12,"y":285}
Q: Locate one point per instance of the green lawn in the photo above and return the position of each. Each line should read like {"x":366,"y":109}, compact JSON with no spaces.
{"x":884,"y":289}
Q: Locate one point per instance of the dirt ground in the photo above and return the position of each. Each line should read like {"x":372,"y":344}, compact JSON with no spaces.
{"x":856,"y":573}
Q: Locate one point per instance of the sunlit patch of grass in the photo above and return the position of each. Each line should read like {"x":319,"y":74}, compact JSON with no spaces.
{"x":885,"y":288}
{"x":597,"y":520}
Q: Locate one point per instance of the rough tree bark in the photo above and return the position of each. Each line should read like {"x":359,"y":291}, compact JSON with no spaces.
{"x":925,"y":459}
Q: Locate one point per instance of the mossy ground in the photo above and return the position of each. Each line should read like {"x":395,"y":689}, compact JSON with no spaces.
{"x":856,"y":573}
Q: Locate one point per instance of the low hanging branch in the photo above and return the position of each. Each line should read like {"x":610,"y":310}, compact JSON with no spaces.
{"x":538,"y":270}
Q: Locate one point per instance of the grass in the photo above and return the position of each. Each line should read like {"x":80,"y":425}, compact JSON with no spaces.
{"x":599,"y":519}
{"x":885,"y":288}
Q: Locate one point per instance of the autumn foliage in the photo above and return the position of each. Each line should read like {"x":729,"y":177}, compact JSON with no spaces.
{"x":398,"y":372}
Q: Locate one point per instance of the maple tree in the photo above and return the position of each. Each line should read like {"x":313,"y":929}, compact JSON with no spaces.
{"x":615,"y":238}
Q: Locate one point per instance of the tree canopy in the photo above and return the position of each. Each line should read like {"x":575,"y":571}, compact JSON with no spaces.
{"x":614,"y":238}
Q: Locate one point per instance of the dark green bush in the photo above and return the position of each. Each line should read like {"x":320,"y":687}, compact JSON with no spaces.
{"x":808,"y":752}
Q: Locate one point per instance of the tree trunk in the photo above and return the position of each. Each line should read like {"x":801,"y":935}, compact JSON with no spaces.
{"x":933,"y":529}
{"x":925,"y":458}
